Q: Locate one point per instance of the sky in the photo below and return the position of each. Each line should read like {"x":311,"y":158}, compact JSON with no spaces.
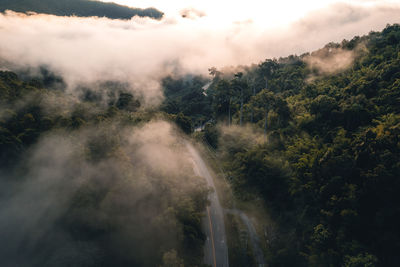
{"x":267,"y":13}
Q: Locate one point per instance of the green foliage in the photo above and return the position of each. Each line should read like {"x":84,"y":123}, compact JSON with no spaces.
{"x":327,"y":165}
{"x":361,"y":260}
{"x":185,"y":123}
{"x":126,"y":101}
{"x":211,"y":135}
{"x":329,"y":168}
{"x":186,"y":95}
{"x":120,"y":212}
{"x":238,"y":242}
{"x":222,"y":99}
{"x":171,"y":259}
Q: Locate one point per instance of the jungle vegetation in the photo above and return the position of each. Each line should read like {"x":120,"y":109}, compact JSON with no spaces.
{"x":325,"y":156}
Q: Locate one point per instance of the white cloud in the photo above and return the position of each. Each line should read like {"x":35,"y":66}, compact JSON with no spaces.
{"x":141,"y":51}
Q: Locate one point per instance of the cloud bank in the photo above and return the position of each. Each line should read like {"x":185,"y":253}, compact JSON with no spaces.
{"x":141,"y":51}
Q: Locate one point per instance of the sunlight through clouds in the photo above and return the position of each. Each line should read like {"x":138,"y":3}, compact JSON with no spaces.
{"x":141,"y":51}
{"x":264,"y":14}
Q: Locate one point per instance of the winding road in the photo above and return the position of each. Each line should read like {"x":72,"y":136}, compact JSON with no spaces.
{"x":255,"y":241}
{"x":215,"y":249}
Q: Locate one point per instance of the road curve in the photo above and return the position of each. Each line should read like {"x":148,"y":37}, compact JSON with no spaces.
{"x":215,"y":249}
{"x":254,"y":240}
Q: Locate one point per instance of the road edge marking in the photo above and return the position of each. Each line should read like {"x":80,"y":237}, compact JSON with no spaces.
{"x":212,"y":236}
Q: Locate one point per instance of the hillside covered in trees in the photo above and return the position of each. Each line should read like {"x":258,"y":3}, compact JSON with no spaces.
{"x":80,"y":8}
{"x":93,"y":182}
{"x":91,"y":177}
{"x":316,"y":137}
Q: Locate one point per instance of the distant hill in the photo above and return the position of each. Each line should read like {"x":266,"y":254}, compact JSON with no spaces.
{"x":81,"y":8}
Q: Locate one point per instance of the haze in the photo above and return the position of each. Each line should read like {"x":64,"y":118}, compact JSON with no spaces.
{"x":263,"y":13}
{"x":253,"y":133}
{"x":141,"y":51}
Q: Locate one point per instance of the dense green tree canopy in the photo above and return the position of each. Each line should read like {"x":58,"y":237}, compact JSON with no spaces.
{"x":329,"y":168}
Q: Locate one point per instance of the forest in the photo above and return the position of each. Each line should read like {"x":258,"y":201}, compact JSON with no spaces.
{"x":99,"y":178}
{"x":80,"y":8}
{"x":88,"y":183}
{"x":316,"y":137}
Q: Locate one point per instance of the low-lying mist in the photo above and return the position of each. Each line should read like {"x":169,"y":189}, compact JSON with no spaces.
{"x":105,"y":194}
{"x":93,"y":183}
{"x":141,"y":51}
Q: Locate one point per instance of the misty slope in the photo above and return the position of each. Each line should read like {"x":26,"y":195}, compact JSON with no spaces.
{"x":80,"y":8}
{"x":90,"y":177}
{"x":328,"y":167}
{"x":93,"y":181}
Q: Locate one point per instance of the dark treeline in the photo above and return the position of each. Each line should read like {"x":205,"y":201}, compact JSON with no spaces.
{"x":329,"y":168}
{"x":80,"y":8}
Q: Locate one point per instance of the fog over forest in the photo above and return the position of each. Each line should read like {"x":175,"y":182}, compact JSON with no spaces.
{"x":298,"y":123}
{"x":141,"y":51}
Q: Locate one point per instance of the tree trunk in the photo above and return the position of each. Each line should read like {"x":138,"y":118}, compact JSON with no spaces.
{"x":265,"y":125}
{"x":229,"y":112}
{"x":241,"y":106}
{"x":252,"y":107}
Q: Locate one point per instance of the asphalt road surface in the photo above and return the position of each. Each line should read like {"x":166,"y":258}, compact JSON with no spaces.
{"x":215,"y":249}
{"x":254,"y":240}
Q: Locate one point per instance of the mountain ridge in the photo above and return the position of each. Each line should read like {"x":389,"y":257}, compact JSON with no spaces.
{"x":80,"y":8}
